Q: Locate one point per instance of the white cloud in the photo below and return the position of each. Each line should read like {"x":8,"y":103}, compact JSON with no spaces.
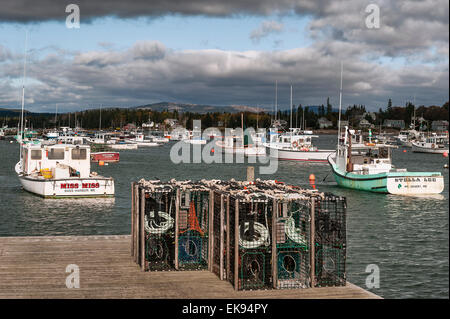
{"x":266,"y":28}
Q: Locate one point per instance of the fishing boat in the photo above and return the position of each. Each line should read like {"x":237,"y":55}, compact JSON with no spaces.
{"x":194,"y":137}
{"x":241,"y":144}
{"x":106,"y":157}
{"x":435,"y":144}
{"x":60,"y":170}
{"x":141,"y":141}
{"x":368,"y":166}
{"x":405,"y":138}
{"x":295,"y":145}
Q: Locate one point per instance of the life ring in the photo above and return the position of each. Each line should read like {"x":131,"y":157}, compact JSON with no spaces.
{"x":295,"y":144}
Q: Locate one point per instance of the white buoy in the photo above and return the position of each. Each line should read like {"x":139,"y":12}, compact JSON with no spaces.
{"x":446,"y":166}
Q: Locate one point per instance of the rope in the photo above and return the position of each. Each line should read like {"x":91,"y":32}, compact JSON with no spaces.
{"x":258,"y":241}
{"x":293,"y":232}
{"x":153,"y":228}
{"x":193,"y":220}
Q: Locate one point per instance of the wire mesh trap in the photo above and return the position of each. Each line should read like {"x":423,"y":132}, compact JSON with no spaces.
{"x":255,"y":235}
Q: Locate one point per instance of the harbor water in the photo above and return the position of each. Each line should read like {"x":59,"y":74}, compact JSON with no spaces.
{"x":405,"y":237}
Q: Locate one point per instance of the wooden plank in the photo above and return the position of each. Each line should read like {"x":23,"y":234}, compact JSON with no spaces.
{"x":136,"y":223}
{"x":274,"y":244}
{"x":228,"y":238}
{"x":132,"y":217}
{"x":236,"y":246}
{"x":221,"y":266}
{"x":107,"y":271}
{"x":312,"y":244}
{"x":142,"y":231}
{"x":211,"y":231}
{"x":177,"y":226}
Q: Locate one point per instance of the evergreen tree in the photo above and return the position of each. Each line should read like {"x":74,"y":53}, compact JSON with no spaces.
{"x":329,"y":107}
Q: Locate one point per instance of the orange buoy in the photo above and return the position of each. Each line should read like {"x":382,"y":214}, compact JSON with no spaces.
{"x":101,"y":163}
{"x":445,"y":154}
{"x":312,"y":180}
{"x":212,"y":150}
{"x":404,"y":151}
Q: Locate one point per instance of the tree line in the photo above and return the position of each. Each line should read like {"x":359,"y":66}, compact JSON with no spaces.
{"x":115,"y":118}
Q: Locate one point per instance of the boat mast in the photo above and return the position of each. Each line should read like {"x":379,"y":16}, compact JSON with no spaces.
{"x":276,"y":98}
{"x":242,"y":125}
{"x":340,"y":106}
{"x":56,"y":115}
{"x":100,"y":121}
{"x":23,"y":95}
{"x":291,"y":106}
{"x":23,"y":88}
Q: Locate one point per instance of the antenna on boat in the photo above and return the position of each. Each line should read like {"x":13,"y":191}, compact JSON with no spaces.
{"x":21,"y":129}
{"x":23,"y":87}
{"x":56,"y":115}
{"x":340,"y":104}
{"x":100,"y":121}
{"x":291,"y":106}
{"x":276,"y":98}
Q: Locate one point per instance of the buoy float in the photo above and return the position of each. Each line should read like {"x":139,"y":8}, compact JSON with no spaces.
{"x":404,"y":151}
{"x":101,"y":163}
{"x":445,"y":154}
{"x":212,"y":150}
{"x":312,"y":180}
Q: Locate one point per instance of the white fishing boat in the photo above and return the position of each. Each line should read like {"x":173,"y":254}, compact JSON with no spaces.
{"x":405,"y":138}
{"x":295,"y":145}
{"x":194,"y":137}
{"x":124,"y":146}
{"x":435,"y":144}
{"x":239,"y":144}
{"x":141,"y":141}
{"x":61,"y":170}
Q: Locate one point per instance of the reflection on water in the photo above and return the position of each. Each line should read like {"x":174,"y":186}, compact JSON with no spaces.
{"x":407,"y":237}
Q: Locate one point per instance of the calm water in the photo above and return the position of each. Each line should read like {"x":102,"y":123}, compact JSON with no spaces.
{"x":406,"y":237}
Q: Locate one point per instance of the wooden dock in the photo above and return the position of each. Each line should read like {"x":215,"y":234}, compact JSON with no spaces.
{"x":35,"y":267}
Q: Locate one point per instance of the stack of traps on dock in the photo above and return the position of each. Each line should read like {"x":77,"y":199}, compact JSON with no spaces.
{"x":256,"y":235}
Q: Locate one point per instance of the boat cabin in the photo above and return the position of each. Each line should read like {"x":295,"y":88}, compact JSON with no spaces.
{"x":63,"y":160}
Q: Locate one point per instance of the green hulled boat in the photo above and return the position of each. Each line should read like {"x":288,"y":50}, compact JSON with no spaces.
{"x":368,"y":167}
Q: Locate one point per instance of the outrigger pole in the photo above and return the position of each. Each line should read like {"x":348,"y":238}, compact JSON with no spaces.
{"x":23,"y":95}
{"x":340,"y":106}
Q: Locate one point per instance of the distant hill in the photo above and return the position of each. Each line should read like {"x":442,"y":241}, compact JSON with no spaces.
{"x":197,"y":108}
{"x":16,"y":112}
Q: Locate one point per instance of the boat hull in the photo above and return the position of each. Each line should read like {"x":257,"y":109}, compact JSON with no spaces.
{"x":397,"y":183}
{"x":124,"y":146}
{"x":418,"y":149}
{"x":247,"y":151}
{"x":69,"y":187}
{"x":305,"y":156}
{"x":107,"y":157}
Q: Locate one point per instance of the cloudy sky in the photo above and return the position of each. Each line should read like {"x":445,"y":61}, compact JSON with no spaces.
{"x":217,"y":52}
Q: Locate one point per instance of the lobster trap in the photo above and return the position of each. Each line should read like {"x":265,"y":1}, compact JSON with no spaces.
{"x":255,"y":235}
{"x":153,"y":231}
{"x":192,"y":240}
{"x":292,"y":240}
{"x":330,"y":241}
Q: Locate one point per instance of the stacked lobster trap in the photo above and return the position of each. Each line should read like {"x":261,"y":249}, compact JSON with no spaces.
{"x":256,"y":235}
{"x":170,"y":225}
